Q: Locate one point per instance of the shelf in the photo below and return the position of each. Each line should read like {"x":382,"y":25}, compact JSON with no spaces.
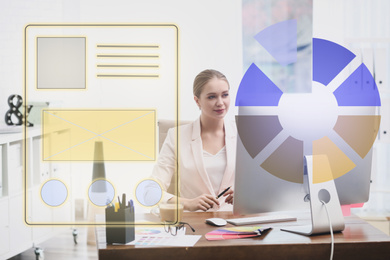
{"x":16,"y":236}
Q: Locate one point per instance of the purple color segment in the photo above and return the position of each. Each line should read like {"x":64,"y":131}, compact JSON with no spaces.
{"x":329,"y":59}
{"x":280,"y":40}
{"x":256,"y":89}
{"x":256,"y":132}
{"x":359,"y":89}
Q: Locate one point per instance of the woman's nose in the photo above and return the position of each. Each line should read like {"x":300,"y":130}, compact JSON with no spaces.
{"x":219,"y":101}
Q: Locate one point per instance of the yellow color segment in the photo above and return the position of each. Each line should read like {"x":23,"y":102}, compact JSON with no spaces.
{"x":329,"y":162}
{"x":358,"y":131}
{"x":126,"y":135}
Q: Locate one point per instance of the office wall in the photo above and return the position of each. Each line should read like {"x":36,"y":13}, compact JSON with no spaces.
{"x":209,"y":37}
{"x":363,"y":26}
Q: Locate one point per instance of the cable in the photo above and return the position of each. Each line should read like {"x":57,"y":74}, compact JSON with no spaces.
{"x":331,"y":230}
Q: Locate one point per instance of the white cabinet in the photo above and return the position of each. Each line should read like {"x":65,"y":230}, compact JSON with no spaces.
{"x":22,"y":174}
{"x":4,"y":226}
{"x":20,"y":237}
{"x":1,"y":171}
{"x":41,"y":171}
{"x":40,"y":213}
{"x":15,"y":175}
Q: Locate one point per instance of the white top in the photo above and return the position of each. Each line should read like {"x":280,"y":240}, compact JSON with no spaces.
{"x":215,"y":166}
{"x":194,"y":180}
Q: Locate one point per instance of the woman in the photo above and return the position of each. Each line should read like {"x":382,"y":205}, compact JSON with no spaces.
{"x":206,"y":149}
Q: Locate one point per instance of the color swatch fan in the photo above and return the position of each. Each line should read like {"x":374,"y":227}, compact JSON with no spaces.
{"x":301,"y":151}
{"x":326,"y":121}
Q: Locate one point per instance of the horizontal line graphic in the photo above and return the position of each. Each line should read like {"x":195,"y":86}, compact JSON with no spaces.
{"x":126,"y":56}
{"x":127,"y":76}
{"x":126,"y":46}
{"x":127,"y":66}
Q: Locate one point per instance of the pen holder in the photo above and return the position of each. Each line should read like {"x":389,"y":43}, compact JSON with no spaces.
{"x":123,"y":232}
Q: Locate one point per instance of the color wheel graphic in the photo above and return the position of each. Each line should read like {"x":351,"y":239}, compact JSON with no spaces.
{"x":337,"y":122}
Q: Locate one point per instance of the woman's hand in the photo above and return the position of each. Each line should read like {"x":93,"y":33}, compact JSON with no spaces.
{"x":229,"y":196}
{"x":203,"y":202}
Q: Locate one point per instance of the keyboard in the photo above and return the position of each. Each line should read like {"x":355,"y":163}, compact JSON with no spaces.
{"x":261,"y":219}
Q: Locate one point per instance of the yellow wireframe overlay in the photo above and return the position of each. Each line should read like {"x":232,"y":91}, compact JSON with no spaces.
{"x":127,"y":135}
{"x":132,"y":70}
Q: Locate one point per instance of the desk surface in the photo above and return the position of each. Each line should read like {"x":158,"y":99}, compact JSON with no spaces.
{"x":359,"y":240}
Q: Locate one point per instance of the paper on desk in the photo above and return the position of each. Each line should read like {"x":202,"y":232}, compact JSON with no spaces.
{"x":156,"y":236}
{"x":145,"y":232}
{"x":182,"y":241}
{"x":156,"y":231}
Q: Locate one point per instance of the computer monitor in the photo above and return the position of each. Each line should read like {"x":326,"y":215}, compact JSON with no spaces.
{"x":331,"y":130}
{"x":258,"y":190}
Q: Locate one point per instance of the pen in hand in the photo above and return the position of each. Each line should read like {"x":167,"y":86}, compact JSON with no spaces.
{"x":223,"y":192}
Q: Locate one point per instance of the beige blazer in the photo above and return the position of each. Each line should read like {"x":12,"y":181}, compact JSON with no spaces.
{"x":193,"y":178}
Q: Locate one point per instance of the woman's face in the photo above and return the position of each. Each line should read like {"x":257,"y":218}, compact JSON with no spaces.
{"x":214,"y":100}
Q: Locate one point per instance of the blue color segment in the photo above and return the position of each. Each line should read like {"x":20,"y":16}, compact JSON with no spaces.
{"x":148,"y":193}
{"x":54,"y":193}
{"x":329,"y":59}
{"x":359,"y":89}
{"x":101,"y":193}
{"x":256,"y":89}
{"x":280,"y":40}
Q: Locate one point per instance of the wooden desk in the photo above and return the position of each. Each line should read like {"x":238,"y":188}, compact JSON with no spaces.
{"x":359,"y":240}
{"x":380,"y":220}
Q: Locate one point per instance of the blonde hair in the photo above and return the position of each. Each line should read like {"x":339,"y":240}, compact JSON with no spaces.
{"x":205,"y":76}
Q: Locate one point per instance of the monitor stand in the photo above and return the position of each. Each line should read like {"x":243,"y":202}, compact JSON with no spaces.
{"x":325,"y":191}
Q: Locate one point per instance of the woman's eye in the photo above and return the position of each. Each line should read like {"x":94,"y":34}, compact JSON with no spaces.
{"x":226,"y":94}
{"x":211,"y":97}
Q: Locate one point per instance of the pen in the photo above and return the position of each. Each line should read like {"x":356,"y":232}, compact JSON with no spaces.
{"x":123,"y":201}
{"x":131,"y":205}
{"x":223,"y":192}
